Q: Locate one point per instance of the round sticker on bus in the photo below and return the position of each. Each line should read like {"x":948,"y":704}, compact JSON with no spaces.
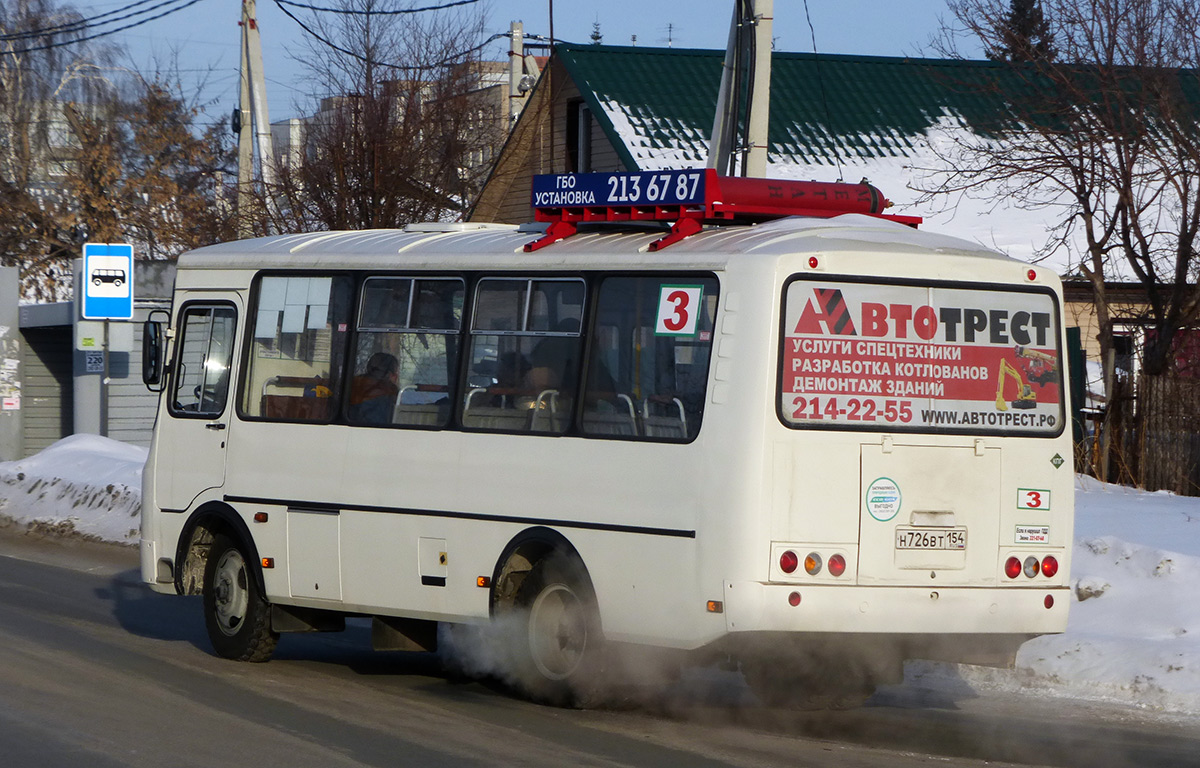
{"x":883,"y":499}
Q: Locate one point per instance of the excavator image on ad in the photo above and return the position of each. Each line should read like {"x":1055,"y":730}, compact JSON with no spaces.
{"x":1040,"y":370}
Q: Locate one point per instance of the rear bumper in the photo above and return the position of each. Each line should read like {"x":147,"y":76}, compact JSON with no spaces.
{"x":758,"y":607}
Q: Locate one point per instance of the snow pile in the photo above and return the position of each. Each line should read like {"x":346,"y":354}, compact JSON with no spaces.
{"x":84,"y":484}
{"x":1134,"y":629}
{"x":1133,"y":635}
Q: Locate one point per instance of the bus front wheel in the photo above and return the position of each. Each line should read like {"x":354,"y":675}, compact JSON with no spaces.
{"x":236,"y":614}
{"x":560,"y":645}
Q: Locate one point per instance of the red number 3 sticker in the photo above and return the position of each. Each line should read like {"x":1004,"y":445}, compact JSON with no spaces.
{"x":678,"y":307}
{"x":1028,"y":498}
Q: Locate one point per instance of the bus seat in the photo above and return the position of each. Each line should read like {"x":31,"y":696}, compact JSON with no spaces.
{"x":618,"y":422}
{"x":671,"y":424}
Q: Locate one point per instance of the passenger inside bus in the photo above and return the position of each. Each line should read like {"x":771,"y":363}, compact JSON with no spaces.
{"x":373,"y":394}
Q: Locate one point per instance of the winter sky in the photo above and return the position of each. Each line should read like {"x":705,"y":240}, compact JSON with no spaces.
{"x":205,"y":35}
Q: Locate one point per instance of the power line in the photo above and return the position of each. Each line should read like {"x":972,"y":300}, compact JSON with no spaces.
{"x":451,"y":59}
{"x":79,"y":23}
{"x":84,"y":39}
{"x":357,"y":12}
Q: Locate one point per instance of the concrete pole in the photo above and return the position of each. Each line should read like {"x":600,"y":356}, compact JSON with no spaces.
{"x":258,"y":93}
{"x":719,"y":145}
{"x":516,"y":69}
{"x":245,"y":190}
{"x":12,"y":431}
{"x":760,"y":100}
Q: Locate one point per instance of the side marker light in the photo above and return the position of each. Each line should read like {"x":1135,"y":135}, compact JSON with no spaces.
{"x":715,"y":606}
{"x":483,"y":581}
{"x":260,"y":517}
{"x":268,"y":562}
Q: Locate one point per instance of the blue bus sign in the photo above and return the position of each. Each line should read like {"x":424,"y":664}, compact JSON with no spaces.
{"x":577,"y":190}
{"x":107,"y":281}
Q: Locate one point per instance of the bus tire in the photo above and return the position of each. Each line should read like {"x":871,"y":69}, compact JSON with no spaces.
{"x":236,"y":614}
{"x":560,"y":643}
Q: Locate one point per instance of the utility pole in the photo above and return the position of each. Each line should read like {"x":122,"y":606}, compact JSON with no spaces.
{"x":747,"y":58}
{"x":254,"y":121}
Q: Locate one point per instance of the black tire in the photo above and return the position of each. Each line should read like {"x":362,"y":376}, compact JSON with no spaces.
{"x":236,"y":615}
{"x":560,"y":644}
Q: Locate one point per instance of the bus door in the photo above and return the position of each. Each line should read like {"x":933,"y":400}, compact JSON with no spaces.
{"x":190,"y":451}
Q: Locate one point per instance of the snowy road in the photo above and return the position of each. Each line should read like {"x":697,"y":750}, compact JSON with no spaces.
{"x":96,"y":670}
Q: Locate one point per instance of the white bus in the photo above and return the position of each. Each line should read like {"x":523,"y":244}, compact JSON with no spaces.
{"x":813,"y":446}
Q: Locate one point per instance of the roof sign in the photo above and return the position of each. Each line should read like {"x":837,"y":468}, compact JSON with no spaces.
{"x":689,"y":199}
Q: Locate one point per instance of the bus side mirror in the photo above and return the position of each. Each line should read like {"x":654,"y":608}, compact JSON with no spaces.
{"x":153,"y":350}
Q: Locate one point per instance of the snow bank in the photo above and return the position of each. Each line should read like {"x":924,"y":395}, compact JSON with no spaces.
{"x":84,"y":484}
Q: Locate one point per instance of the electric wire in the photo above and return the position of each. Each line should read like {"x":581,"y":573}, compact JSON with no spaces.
{"x":448,"y":60}
{"x":358,"y":12}
{"x":86,"y":38}
{"x":76,"y":23}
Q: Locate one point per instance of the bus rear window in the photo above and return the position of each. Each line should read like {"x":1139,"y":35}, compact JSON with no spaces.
{"x":928,"y":358}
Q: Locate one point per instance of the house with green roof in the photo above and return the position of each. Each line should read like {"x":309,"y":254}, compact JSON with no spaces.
{"x":614,"y":108}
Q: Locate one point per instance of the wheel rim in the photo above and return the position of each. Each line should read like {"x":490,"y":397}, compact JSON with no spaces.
{"x":557,"y":631}
{"x":231,"y":591}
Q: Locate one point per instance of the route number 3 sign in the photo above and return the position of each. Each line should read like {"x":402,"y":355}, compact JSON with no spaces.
{"x":678,"y":309}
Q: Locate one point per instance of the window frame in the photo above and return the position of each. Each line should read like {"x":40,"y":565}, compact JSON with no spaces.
{"x":254,"y":299}
{"x":170,"y":388}
{"x":455,"y":371}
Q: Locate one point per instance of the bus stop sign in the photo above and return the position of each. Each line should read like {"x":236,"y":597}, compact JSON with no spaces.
{"x":107,"y":281}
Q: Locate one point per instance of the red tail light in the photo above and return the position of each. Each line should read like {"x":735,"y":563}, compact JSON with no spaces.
{"x":1012,"y":567}
{"x":788,"y":561}
{"x":837,"y":565}
{"x":1049,"y":566}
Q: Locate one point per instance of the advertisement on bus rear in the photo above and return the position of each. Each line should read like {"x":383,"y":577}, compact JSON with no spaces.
{"x":926,"y":358}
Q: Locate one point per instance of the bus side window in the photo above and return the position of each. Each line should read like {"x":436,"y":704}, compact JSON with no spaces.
{"x":650,"y":352}
{"x":296,"y":358}
{"x":525,"y":355}
{"x":201,"y":378}
{"x":406,"y":351}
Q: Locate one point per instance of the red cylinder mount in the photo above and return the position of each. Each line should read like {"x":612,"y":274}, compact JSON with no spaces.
{"x":758,"y":194}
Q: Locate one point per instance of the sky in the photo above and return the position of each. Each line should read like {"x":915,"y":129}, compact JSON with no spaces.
{"x":1132,"y":639}
{"x":205,"y":36}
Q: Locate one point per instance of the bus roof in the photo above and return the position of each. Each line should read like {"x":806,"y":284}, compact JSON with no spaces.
{"x":487,"y":246}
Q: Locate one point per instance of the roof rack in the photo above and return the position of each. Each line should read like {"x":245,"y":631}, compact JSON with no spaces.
{"x":689,"y":199}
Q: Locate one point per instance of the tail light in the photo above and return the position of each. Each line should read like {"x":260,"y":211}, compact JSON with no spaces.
{"x":837,"y":565}
{"x":1032,"y":566}
{"x":812,"y":564}
{"x":1049,"y":566}
{"x":788,"y":561}
{"x":1012,"y":567}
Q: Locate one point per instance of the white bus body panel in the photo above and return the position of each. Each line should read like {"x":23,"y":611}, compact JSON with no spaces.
{"x":358,"y":518}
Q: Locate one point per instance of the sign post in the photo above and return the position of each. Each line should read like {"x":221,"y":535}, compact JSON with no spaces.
{"x":107,"y":295}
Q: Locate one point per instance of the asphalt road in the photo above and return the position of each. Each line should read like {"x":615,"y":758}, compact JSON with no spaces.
{"x":97,"y":671}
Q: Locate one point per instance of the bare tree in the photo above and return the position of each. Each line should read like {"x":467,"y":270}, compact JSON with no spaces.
{"x":42,"y":71}
{"x":1106,"y":135}
{"x":392,"y":141}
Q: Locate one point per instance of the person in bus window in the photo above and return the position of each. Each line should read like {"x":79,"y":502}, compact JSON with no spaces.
{"x":373,"y":394}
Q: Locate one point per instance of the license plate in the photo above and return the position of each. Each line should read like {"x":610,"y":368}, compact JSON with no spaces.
{"x":931,"y":538}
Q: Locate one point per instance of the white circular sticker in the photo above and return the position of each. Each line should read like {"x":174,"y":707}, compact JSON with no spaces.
{"x":883,"y":499}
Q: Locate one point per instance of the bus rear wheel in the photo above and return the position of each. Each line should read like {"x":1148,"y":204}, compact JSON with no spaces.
{"x":559,"y":641}
{"x":236,"y":614}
